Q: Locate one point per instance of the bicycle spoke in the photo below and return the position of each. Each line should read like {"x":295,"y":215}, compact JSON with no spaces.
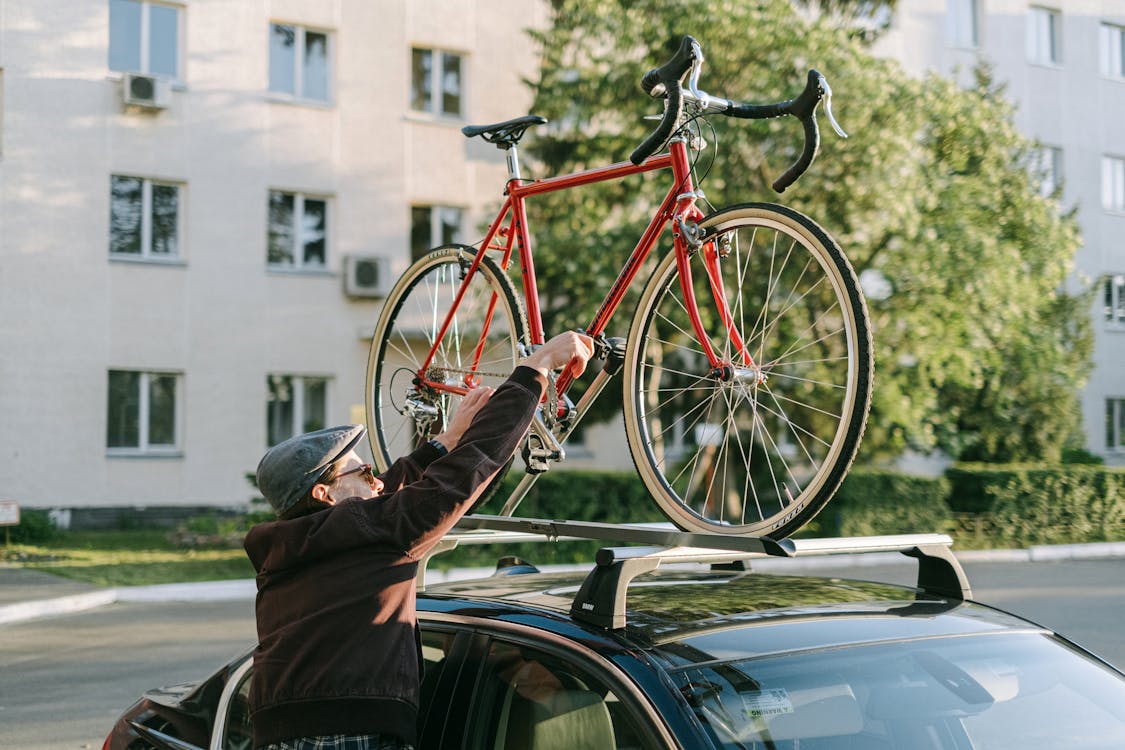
{"x":405,"y":413}
{"x":752,"y":443}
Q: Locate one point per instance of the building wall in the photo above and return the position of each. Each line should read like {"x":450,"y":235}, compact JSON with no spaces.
{"x":222,"y":320}
{"x":218,"y":316}
{"x":1069,"y":105}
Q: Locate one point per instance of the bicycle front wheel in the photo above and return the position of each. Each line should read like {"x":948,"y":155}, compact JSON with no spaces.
{"x":757,"y":445}
{"x":407,"y":400}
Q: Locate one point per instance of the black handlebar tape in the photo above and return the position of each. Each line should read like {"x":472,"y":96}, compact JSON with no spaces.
{"x":804,"y":109}
{"x":669,"y":76}
{"x":673,"y":106}
{"x":812,"y":143}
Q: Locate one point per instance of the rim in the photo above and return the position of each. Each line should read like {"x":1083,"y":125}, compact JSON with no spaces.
{"x":752,"y":449}
{"x":405,"y":414}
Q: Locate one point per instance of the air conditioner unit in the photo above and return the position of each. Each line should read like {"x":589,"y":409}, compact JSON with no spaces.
{"x":143,"y":90}
{"x":366,"y":276}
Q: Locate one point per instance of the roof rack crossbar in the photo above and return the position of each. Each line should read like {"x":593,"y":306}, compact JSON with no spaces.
{"x":601,"y":598}
{"x":663,"y":535}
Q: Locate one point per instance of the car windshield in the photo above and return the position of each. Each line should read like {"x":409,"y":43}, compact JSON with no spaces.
{"x":983,"y":692}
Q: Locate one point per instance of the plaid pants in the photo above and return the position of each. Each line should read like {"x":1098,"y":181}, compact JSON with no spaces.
{"x":342,"y":742}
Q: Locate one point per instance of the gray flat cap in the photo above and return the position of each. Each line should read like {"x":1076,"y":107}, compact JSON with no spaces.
{"x":291,"y":468}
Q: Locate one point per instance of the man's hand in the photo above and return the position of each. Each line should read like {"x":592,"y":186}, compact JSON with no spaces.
{"x":473,"y":401}
{"x":570,"y":349}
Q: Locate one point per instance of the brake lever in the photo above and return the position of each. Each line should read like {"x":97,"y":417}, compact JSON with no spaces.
{"x":822,"y":82}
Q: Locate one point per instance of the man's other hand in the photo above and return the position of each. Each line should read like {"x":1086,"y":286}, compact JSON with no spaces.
{"x":472,"y":403}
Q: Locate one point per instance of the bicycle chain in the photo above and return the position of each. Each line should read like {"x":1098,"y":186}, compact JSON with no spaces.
{"x":552,"y":387}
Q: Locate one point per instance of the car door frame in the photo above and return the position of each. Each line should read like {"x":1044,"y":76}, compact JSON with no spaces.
{"x":458,"y":720}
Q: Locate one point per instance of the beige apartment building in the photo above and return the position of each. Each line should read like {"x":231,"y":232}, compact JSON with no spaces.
{"x":1063,"y":64}
{"x":202,"y":203}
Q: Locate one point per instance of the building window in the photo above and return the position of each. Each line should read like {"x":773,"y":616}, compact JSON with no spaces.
{"x":1044,"y":36}
{"x":1048,"y":169}
{"x":1113,"y":183}
{"x":299,"y":62}
{"x":144,"y":38}
{"x":963,"y":22}
{"x":296,"y":405}
{"x":144,"y":218}
{"x":436,"y":83}
{"x":1115,"y":300}
{"x":431,"y":226}
{"x":1111,"y":50}
{"x":298,"y":231}
{"x":1115,"y":424}
{"x":142,"y":411}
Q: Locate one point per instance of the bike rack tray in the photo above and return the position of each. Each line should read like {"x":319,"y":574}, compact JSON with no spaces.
{"x":601,"y":600}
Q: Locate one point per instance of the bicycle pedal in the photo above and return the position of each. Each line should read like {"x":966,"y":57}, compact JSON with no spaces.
{"x":537,"y":457}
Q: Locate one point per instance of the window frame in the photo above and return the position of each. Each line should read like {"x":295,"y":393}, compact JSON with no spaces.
{"x":437,"y":227}
{"x":298,"y":264}
{"x":144,"y":447}
{"x":298,"y":95}
{"x":1113,"y":299}
{"x":437,"y":64}
{"x":956,"y":21}
{"x":298,"y":384}
{"x":144,"y":51}
{"x":147,"y":255}
{"x":1109,"y":65}
{"x":1113,"y":184}
{"x":1037,"y":35}
{"x":1115,"y":424}
{"x":1050,"y":169}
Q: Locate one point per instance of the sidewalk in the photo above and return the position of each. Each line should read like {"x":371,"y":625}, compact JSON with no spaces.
{"x":31,"y":594}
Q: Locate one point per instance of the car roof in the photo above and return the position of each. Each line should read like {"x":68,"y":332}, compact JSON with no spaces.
{"x":690,"y":614}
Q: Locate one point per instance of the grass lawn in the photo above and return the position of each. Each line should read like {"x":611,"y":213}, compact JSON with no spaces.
{"x":139,"y":557}
{"x":127,"y":558}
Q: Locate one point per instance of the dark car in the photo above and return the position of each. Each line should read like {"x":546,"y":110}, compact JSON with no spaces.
{"x":629,"y":655}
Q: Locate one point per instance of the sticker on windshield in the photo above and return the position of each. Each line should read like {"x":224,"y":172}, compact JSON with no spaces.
{"x":772,"y":702}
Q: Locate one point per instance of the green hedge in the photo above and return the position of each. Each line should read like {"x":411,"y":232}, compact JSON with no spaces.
{"x":1044,"y":504}
{"x":35,"y":527}
{"x":872,"y":502}
{"x":982,"y":505}
{"x":564,"y":494}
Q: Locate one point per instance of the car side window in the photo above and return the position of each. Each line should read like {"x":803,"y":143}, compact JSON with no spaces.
{"x":528,"y":699}
{"x":436,"y":648}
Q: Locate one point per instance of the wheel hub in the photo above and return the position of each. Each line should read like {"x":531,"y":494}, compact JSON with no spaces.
{"x":747,"y":377}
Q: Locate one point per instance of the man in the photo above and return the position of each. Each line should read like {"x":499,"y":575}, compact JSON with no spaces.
{"x":338,"y":659}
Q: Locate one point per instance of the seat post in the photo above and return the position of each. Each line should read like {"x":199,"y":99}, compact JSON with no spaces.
{"x":513,"y":162}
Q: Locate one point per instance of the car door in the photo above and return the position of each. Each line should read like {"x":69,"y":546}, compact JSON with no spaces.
{"x":442,"y":650}
{"x":532,"y":691}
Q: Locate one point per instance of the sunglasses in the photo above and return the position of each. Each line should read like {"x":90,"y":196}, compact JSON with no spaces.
{"x":364,"y":470}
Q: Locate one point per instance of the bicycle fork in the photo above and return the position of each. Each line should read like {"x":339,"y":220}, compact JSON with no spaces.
{"x":742,"y":367}
{"x":544,"y":443}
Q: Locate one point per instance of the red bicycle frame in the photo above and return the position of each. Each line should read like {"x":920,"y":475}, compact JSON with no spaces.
{"x":508,"y":234}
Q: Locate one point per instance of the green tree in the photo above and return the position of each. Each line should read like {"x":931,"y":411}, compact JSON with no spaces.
{"x":979,"y":351}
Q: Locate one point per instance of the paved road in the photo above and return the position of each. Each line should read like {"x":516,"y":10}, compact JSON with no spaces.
{"x":1083,"y":600}
{"x":64,"y":680}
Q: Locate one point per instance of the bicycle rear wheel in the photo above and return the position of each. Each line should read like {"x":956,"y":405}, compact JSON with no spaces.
{"x":752,"y":448}
{"x":402,"y":411}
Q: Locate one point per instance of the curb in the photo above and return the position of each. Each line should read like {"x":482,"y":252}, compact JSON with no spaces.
{"x":246,"y":589}
{"x":62,"y":605}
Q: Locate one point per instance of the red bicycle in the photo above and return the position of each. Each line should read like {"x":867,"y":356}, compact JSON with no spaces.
{"x":748,"y":362}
